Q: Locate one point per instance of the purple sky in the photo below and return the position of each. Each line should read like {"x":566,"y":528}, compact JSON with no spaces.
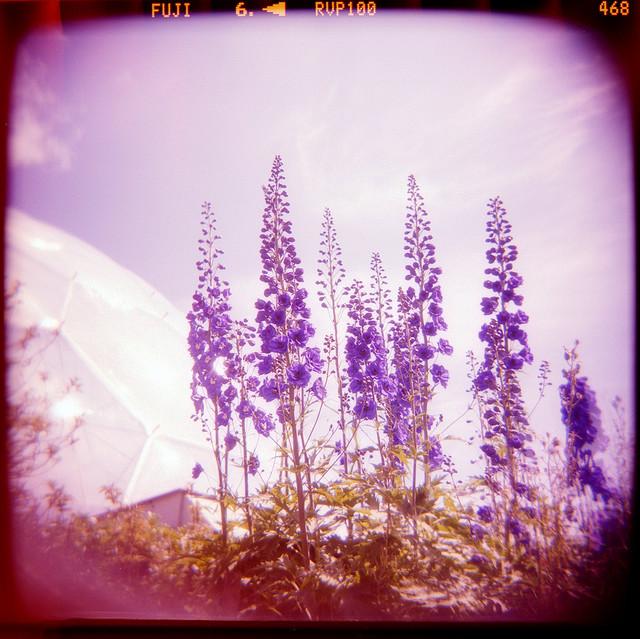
{"x":121,"y":130}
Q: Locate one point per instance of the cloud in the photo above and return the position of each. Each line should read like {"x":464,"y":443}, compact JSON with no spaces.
{"x":42,"y":132}
{"x":33,"y":143}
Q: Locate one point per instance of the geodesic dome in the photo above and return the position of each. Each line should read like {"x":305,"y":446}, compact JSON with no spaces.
{"x":126,"y":345}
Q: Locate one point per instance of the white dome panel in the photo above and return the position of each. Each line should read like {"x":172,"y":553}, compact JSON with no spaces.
{"x":126,"y":345}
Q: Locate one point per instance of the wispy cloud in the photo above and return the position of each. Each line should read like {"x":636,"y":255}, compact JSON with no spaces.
{"x":42,"y":131}
{"x":34,"y":143}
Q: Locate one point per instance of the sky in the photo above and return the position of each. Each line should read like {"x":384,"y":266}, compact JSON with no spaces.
{"x":120,"y":130}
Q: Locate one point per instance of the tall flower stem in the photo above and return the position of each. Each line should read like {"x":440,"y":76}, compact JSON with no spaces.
{"x":284,"y":457}
{"x":245,"y":468}
{"x":583,"y":421}
{"x":210,"y":348}
{"x":425,"y":320}
{"x":243,"y":336}
{"x":302,"y":517}
{"x":222,"y":483}
{"x":330,"y":277}
{"x":331,"y":274}
{"x":416,"y":211}
{"x":382,"y":307}
{"x":286,"y":362}
{"x":498,"y":380}
{"x":305,"y":456}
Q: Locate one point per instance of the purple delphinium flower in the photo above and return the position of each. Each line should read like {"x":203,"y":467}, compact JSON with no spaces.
{"x":515,"y":440}
{"x":230,"y":441}
{"x":313,"y":359}
{"x":518,"y":530}
{"x":262,"y":422}
{"x":318,"y":389}
{"x":491,"y":453}
{"x":284,"y":330}
{"x":365,"y":408}
{"x":521,"y":488}
{"x":197,"y":470}
{"x":444,"y":347}
{"x":485,"y":381}
{"x":245,"y":409}
{"x":253,"y":464}
{"x":265,"y":365}
{"x":216,"y":367}
{"x":300,"y":334}
{"x":424,"y":294}
{"x":210,"y":325}
{"x":424,"y":352}
{"x":506,"y":351}
{"x":579,"y":409}
{"x":478,"y":532}
{"x":591,"y":475}
{"x":269,"y":390}
{"x":440,"y":375}
{"x":486,"y":514}
{"x":513,"y":362}
{"x":489,"y":305}
{"x":416,"y":345}
{"x":436,"y":456}
{"x":363,"y":352}
{"x":298,"y":375}
{"x":583,"y":421}
{"x":285,"y":361}
{"x":408,"y":389}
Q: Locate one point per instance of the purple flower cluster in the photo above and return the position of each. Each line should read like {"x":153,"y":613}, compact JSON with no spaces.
{"x":591,"y":475}
{"x":436,"y":455}
{"x":197,"y":470}
{"x":230,"y":441}
{"x":218,"y":346}
{"x":580,"y":414}
{"x":253,"y":464}
{"x":506,"y":350}
{"x":392,"y":397}
{"x":519,"y":531}
{"x":210,"y":327}
{"x":409,"y":376}
{"x":286,"y":361}
{"x":414,"y":334}
{"x":582,"y":419}
{"x":262,"y":422}
{"x":478,"y":532}
{"x":365,"y":357}
{"x":486,"y":514}
{"x":425,"y":294}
